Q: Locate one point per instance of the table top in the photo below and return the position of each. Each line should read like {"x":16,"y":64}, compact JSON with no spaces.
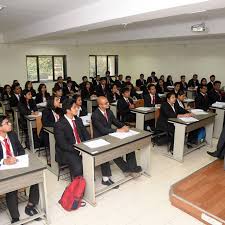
{"x":149,"y":110}
{"x":34,"y":165}
{"x":199,"y":117}
{"x":114,"y":142}
{"x":214,"y":107}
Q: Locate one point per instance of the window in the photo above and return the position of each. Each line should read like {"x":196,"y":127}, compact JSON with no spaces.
{"x":45,"y":68}
{"x":99,"y":64}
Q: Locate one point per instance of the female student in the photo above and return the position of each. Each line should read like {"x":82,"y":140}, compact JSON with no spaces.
{"x":42,"y":95}
{"x":179,"y":104}
{"x":168,"y":110}
{"x":202,"y":83}
{"x":161,"y":87}
{"x":176,"y":88}
{"x":81,"y":109}
{"x":6,"y":92}
{"x":169,"y":81}
{"x":114,"y":94}
{"x":87,"y":91}
{"x":29,"y":86}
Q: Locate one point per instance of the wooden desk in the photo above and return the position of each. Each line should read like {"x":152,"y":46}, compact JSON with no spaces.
{"x":16,"y":121}
{"x":181,"y":128}
{"x":90,"y":104}
{"x":218,"y":125}
{"x":113,"y":108}
{"x":15,"y":179}
{"x":143,"y":115}
{"x":117,"y":147}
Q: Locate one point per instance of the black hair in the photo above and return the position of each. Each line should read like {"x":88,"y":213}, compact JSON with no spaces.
{"x":102,"y":78}
{"x":14,"y":86}
{"x":176,"y":83}
{"x":68,"y":78}
{"x":168,"y":78}
{"x":84,"y":77}
{"x":153,"y":73}
{"x":150,"y":85}
{"x":128,"y":77}
{"x":75,"y":97}
{"x":2,"y":117}
{"x":125,"y":90}
{"x":194,"y":75}
{"x":217,"y":82}
{"x":168,"y":96}
{"x":24,"y":92}
{"x":56,"y":88}
{"x":180,"y":92}
{"x":182,"y":76}
{"x":59,"y":77}
{"x":26,"y":85}
{"x":212,"y":76}
{"x":7,"y":85}
{"x":203,"y":85}
{"x":50,"y":102}
{"x":142,"y":75}
{"x":67,"y":104}
{"x":40,"y":87}
{"x":203,"y":79}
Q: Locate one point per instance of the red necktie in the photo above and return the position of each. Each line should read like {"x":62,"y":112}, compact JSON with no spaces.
{"x":7,"y":147}
{"x":76,"y":132}
{"x":153,"y":99}
{"x":106,"y":116}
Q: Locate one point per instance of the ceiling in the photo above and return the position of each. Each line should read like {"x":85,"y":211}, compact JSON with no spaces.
{"x":81,"y":22}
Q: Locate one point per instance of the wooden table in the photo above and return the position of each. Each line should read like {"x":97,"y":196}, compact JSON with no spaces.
{"x":93,"y":157}
{"x":15,"y":179}
{"x":143,"y":115}
{"x":181,"y":128}
{"x":218,"y":125}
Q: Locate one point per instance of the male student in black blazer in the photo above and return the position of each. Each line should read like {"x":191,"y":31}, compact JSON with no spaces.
{"x":194,"y":81}
{"x":152,"y":78}
{"x":69,"y":130}
{"x":120,"y":83}
{"x":215,"y":94}
{"x":152,"y":98}
{"x":202,"y":100}
{"x":102,"y":121}
{"x":124,"y":105}
{"x":15,"y":97}
{"x":102,"y":88}
{"x":141,"y":82}
{"x":10,"y":147}
{"x":211,"y":82}
{"x":179,"y":104}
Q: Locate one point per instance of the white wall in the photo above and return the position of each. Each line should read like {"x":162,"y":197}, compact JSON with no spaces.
{"x":175,"y":59}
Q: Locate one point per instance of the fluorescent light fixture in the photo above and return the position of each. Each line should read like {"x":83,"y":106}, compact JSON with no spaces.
{"x":2,"y":7}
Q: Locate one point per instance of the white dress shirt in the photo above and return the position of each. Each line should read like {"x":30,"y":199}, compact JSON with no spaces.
{"x":180,"y":103}
{"x":4,"y":148}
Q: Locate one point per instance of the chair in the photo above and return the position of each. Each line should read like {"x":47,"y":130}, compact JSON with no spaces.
{"x":61,"y":168}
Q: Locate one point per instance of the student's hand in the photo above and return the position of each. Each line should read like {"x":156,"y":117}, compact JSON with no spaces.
{"x":123,"y":129}
{"x":131,"y":106}
{"x":9,"y":161}
{"x":34,"y":113}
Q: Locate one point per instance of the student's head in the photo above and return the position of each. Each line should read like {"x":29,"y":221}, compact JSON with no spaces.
{"x":217,"y":85}
{"x":87,"y":85}
{"x":203,"y":89}
{"x":153,"y":73}
{"x":177,"y":86}
{"x":5,"y":125}
{"x":203,"y":81}
{"x":68,"y":79}
{"x":195,"y":77}
{"x":84,"y":79}
{"x":114,"y":88}
{"x":121,"y":77}
{"x":151,"y":89}
{"x":7,"y":88}
{"x":212,"y":78}
{"x":162,"y":77}
{"x":182,"y":78}
{"x":142,"y":76}
{"x":128,"y":79}
{"x":103,"y":103}
{"x":78,"y":100}
{"x":26,"y":95}
{"x":70,"y":108}
{"x":53,"y":102}
{"x":57,"y":91}
{"x":28,"y":85}
{"x":171,"y":98}
{"x":126,"y":92}
{"x":60,"y":79}
{"x":161,"y":82}
{"x":169,"y":78}
{"x":15,"y":82}
{"x":42,"y":88}
{"x":181,"y":95}
{"x":16,"y":89}
{"x":107,"y":73}
{"x":97,"y":77}
{"x":103,"y":81}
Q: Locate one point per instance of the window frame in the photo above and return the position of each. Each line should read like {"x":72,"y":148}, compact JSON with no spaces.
{"x":53,"y":67}
{"x":107,"y":64}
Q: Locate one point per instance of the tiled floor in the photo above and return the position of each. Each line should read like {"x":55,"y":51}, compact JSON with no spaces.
{"x":144,"y":201}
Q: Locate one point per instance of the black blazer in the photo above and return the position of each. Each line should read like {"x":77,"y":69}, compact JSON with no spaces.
{"x":85,"y":94}
{"x":214,"y":97}
{"x":184,"y":86}
{"x":100,"y":91}
{"x":191,"y":83}
{"x":160,"y":90}
{"x":202,"y":102}
{"x":66,"y":90}
{"x":39,"y":97}
{"x":95,"y":83}
{"x":17,"y":147}
{"x":13,"y":101}
{"x":110,"y":97}
{"x":140,"y":83}
{"x":123,"y":106}
{"x":147,"y":100}
{"x":166,"y":112}
{"x":64,"y":137}
{"x":150,"y":80}
{"x":75,"y":85}
{"x":119,"y":84}
{"x":48,"y":119}
{"x":169,"y":83}
{"x":179,"y":109}
{"x":101,"y":126}
{"x":83,"y":112}
{"x":63,"y":85}
{"x":209,"y":86}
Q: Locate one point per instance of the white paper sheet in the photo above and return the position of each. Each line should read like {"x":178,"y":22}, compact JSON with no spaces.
{"x":86,"y":119}
{"x":42,"y":104}
{"x":123,"y":135}
{"x":22,"y":162}
{"x":145,"y":109}
{"x":189,"y":119}
{"x":198,"y":112}
{"x":34,"y":116}
{"x":219,"y":105}
{"x":96,"y":143}
{"x":188,"y":100}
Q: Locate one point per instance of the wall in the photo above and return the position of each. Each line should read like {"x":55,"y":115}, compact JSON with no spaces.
{"x":176,"y":59}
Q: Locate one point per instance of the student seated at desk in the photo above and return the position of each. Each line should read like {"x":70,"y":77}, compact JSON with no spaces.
{"x":69,"y":130}
{"x":124,"y":105}
{"x":9,"y":148}
{"x":152,"y":79}
{"x":87,"y":91}
{"x":102,"y":88}
{"x":193,"y":83}
{"x":82,"y":111}
{"x":15,"y":97}
{"x":141,"y":81}
{"x":168,"y":110}
{"x":6,"y":95}
{"x":169,"y":81}
{"x":114,"y":94}
{"x":203,"y":82}
{"x":183,"y":83}
{"x":120,"y":83}
{"x":179,"y":104}
{"x":29,"y":86}
{"x":176,"y":88}
{"x":215,"y":94}
{"x":69,"y":90}
{"x":161,"y":87}
{"x":202,"y":100}
{"x":211,"y":82}
{"x":42,"y":95}
{"x":58,"y":92}
{"x":102,"y":121}
{"x":152,"y":98}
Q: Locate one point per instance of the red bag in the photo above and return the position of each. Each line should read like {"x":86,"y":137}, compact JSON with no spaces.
{"x":72,"y":196}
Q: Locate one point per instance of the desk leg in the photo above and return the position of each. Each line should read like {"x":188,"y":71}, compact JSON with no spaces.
{"x":16,"y":118}
{"x":54,"y":164}
{"x":209,"y":133}
{"x":30,"y":136}
{"x":145,"y":159}
{"x":89,"y":174}
{"x":43,"y":198}
{"x":179,"y":138}
{"x":218,"y":125}
{"x":140,"y":121}
{"x":89,"y":106}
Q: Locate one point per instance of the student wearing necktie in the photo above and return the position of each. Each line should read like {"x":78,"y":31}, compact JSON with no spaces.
{"x":102,"y":121}
{"x":152,"y":97}
{"x":10,"y":147}
{"x":69,"y":130}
